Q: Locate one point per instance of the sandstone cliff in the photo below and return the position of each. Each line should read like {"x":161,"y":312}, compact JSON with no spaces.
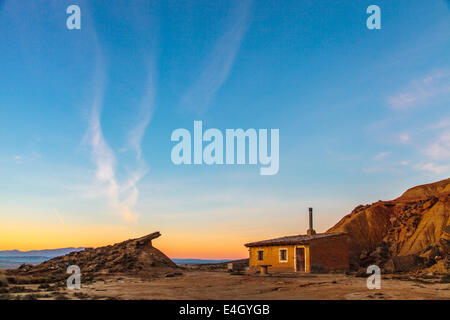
{"x":410,"y":226}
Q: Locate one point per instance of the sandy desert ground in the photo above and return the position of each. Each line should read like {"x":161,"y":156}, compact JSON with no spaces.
{"x":200,"y":284}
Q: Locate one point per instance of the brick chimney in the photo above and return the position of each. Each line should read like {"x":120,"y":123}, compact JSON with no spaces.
{"x":311,"y":231}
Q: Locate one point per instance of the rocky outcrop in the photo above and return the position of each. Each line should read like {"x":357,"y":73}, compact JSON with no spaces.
{"x":425,"y":191}
{"x":366,"y":226}
{"x":445,"y":244}
{"x":135,"y":256}
{"x":401,"y":234}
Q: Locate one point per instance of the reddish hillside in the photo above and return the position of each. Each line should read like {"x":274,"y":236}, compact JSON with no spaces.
{"x":404,"y":233}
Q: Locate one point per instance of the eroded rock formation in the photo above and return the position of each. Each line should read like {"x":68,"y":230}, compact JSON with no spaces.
{"x":404,"y":234}
{"x":135,"y":256}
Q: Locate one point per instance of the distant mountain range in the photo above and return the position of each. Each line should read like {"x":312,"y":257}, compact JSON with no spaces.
{"x":10,"y":259}
{"x":50,"y":253}
{"x":15,"y":258}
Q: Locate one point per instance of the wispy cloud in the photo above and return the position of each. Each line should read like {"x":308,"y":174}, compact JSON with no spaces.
{"x":392,"y":167}
{"x":135,"y":136}
{"x":436,"y":154}
{"x":219,"y":62}
{"x":442,"y":124}
{"x":381,"y":156}
{"x":145,"y":114}
{"x":122,"y":196}
{"x":404,"y":138}
{"x":117,"y":178}
{"x":440,"y":149}
{"x":432,"y":167}
{"x":18,"y":159}
{"x":421,"y":91}
{"x":101,"y":154}
{"x":58,"y":216}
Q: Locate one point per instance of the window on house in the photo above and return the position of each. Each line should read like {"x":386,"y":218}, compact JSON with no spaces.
{"x":283,"y":255}
{"x":260,"y":255}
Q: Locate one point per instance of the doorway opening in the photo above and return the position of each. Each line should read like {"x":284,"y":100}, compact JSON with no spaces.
{"x":300,"y":259}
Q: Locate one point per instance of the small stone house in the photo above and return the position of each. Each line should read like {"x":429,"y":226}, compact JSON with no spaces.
{"x":301,"y":253}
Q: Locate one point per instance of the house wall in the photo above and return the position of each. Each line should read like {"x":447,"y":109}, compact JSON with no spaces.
{"x":321,"y":254}
{"x":330,"y":253}
{"x":272,"y":257}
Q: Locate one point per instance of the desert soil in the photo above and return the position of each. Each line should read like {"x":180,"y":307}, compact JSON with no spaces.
{"x":222,"y":285}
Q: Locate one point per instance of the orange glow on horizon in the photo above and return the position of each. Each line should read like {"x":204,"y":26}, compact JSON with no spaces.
{"x":173,"y":244}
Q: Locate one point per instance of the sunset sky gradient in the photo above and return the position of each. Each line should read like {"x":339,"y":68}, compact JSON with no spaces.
{"x":86,"y":117}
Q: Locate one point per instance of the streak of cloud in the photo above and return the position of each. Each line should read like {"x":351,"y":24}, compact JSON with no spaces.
{"x":421,"y":91}
{"x":58,"y":216}
{"x":219,"y":62}
{"x":381,"y":156}
{"x":432,"y":168}
{"x":18,"y":159}
{"x":404,"y":138}
{"x":122,"y":191}
{"x":122,"y":196}
{"x":145,"y":114}
{"x":101,"y":153}
{"x":135,"y":136}
{"x":440,"y":149}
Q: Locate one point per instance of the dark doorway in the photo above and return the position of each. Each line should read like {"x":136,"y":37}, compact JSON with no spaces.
{"x":300,"y":254}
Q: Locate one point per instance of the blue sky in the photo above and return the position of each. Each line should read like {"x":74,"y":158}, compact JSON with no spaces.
{"x":86,"y":116}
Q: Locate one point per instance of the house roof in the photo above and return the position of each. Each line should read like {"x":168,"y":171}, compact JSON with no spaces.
{"x":297,"y":239}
